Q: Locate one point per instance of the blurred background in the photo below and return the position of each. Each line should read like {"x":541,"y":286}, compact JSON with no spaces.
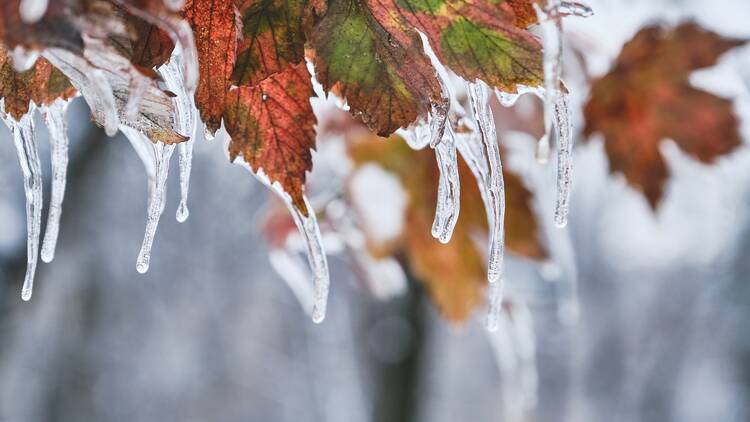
{"x":638,"y":316}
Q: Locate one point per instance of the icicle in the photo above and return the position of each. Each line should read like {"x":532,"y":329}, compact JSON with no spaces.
{"x":449,"y":188}
{"x":573,"y":8}
{"x":551,"y":24}
{"x":564,"y":159}
{"x":32,"y":10}
{"x":494,"y":306}
{"x":28,"y":158}
{"x":159,"y":155}
{"x":308,"y":227}
{"x":185,"y":124}
{"x":54,"y":117}
{"x":478,"y":96}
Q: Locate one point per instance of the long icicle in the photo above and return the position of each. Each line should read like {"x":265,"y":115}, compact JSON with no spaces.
{"x":186,"y":124}
{"x":310,"y":231}
{"x":495,"y":190}
{"x":449,"y":188}
{"x":308,"y":226}
{"x":54,"y":118}
{"x":28,"y":157}
{"x":564,"y":159}
{"x":159,"y":154}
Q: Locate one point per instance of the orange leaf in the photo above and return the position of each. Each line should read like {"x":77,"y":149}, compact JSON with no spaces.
{"x":272,"y":126}
{"x":216,"y":32}
{"x":647,"y":97}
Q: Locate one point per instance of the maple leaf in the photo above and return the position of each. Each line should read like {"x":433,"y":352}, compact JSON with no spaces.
{"x":272,"y":126}
{"x":480,"y":39}
{"x":216,"y":34}
{"x":41,"y":84}
{"x":454,"y":273}
{"x":647,"y":97}
{"x":375,"y":62}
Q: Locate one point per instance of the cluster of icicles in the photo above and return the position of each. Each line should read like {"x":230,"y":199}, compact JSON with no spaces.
{"x":478,"y":147}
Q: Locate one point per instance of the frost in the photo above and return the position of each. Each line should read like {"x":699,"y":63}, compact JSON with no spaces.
{"x":54,"y":118}
{"x":32,"y":10}
{"x":185,"y":124}
{"x":28,"y":158}
{"x":155,"y":157}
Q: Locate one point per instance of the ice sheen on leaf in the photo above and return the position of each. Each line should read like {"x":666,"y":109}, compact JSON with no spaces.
{"x":216,"y":33}
{"x":272,"y":126}
{"x":480,"y":39}
{"x":372,"y":59}
{"x":647,"y":97}
{"x":454,"y":273}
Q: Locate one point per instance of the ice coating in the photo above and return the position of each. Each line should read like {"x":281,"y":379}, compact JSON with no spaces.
{"x":92,"y":84}
{"x":137,"y":89}
{"x":178,"y":30}
{"x":32,"y":10}
{"x":54,"y":118}
{"x":28,"y":158}
{"x":155,"y":156}
{"x":564,"y":159}
{"x":449,"y":188}
{"x":186,"y":124}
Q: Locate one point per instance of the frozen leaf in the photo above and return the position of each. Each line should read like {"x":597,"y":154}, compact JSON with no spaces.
{"x":480,"y":39}
{"x":216,"y":32}
{"x":647,"y":97}
{"x":152,"y":47}
{"x":373,"y":60}
{"x":42,"y":84}
{"x":454,"y":273}
{"x":272,"y":128}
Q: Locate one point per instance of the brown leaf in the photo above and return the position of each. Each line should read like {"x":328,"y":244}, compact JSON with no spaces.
{"x":41,"y":84}
{"x":272,"y":126}
{"x":647,"y":97}
{"x":454,"y":273}
{"x":216,"y":34}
